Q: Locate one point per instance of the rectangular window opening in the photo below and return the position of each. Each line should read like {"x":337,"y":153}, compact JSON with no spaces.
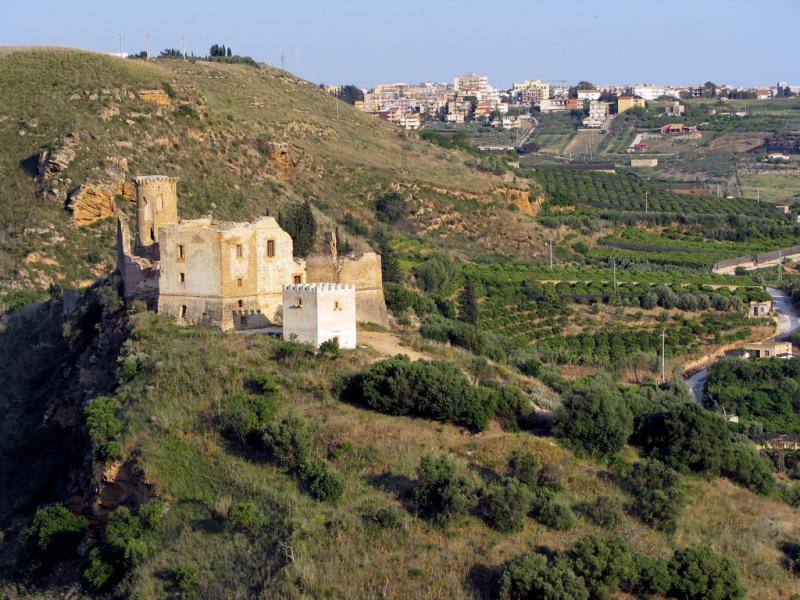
{"x":239,"y":282}
{"x":239,"y":251}
{"x":270,"y":248}
{"x":298,"y":279}
{"x":183,"y":311}
{"x":181,"y":251}
{"x":183,"y":277}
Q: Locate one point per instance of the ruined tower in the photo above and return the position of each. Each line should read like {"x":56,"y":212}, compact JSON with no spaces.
{"x":156,"y":206}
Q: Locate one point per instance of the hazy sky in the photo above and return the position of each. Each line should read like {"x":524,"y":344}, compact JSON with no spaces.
{"x":365,"y":42}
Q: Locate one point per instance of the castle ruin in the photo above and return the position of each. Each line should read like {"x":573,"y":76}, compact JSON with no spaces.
{"x":229,"y":275}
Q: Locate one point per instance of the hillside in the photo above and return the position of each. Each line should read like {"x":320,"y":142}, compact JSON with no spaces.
{"x":244,"y":141}
{"x":236,"y":524}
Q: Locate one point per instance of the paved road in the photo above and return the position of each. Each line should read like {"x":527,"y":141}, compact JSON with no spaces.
{"x":788,"y":323}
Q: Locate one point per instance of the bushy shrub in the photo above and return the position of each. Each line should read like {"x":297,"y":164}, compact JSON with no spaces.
{"x":700,"y":573}
{"x":56,"y":530}
{"x":507,"y":504}
{"x":525,"y":467}
{"x":658,"y":500}
{"x":399,"y":300}
{"x":288,"y":443}
{"x":651,"y":576}
{"x":435,"y":272}
{"x":385,"y":518}
{"x":391,"y":207}
{"x":104,"y":428}
{"x":603,"y":512}
{"x":99,"y":572}
{"x":687,"y":437}
{"x":744,"y":465}
{"x":442,"y":491}
{"x":243,"y":415}
{"x":433,"y":389}
{"x":556,"y":515}
{"x":330,"y":348}
{"x":321,"y":481}
{"x":187,"y":576}
{"x":535,"y":575}
{"x":125,"y":535}
{"x":246,"y":515}
{"x":594,"y":418}
{"x":603,"y":563}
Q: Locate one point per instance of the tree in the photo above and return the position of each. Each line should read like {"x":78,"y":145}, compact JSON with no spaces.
{"x":390,"y":264}
{"x":468,"y":303}
{"x":525,"y":467}
{"x":171,"y":53}
{"x":350,"y":94}
{"x":391,"y":207}
{"x":56,"y":530}
{"x":594,"y":417}
{"x":688,"y":437}
{"x":699,"y":573}
{"x":299,"y":222}
{"x":442,"y":492}
{"x":507,"y":504}
{"x":229,"y":53}
{"x":534,"y":575}
{"x":709,"y":89}
{"x":586,"y":85}
{"x":658,"y":498}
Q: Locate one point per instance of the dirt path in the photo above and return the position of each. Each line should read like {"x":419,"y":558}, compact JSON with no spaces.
{"x":389,"y":344}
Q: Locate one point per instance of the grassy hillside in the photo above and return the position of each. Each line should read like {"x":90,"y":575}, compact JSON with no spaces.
{"x":244,"y":141}
{"x":174,"y":385}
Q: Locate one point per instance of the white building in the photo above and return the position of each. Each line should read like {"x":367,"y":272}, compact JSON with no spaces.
{"x":652,"y":92}
{"x":598,"y":113}
{"x":589,"y":94}
{"x":318,"y":312}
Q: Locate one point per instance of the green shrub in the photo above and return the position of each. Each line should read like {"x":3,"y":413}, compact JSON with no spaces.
{"x":603,"y":563}
{"x":442,"y":492}
{"x":699,"y":573}
{"x":99,"y":573}
{"x":187,"y":575}
{"x":264,"y":383}
{"x":435,"y":272}
{"x":434,"y":389}
{"x":391,"y":207}
{"x":556,"y":515}
{"x":56,"y":530}
{"x":242,"y":416}
{"x":321,"y":481}
{"x":594,"y":418}
{"x":104,"y":428}
{"x":688,"y":437}
{"x":127,"y":369}
{"x":525,"y":467}
{"x":246,"y":515}
{"x":289,"y":442}
{"x":507,"y":503}
{"x":124,"y":532}
{"x":385,"y":518}
{"x":603,"y":512}
{"x":534,"y":575}
{"x":747,"y":467}
{"x":330,"y":348}
{"x":651,"y":576}
{"x":658,"y":500}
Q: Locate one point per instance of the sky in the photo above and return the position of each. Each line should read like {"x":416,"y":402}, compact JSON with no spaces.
{"x":365,"y":42}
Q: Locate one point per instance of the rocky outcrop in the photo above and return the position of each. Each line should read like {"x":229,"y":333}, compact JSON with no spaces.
{"x":52,"y":163}
{"x":94,"y":200}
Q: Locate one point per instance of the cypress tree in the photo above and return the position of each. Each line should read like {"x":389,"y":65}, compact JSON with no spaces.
{"x":468,"y":303}
{"x":299,"y":222}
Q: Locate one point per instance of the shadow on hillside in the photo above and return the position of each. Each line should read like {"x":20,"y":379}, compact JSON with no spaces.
{"x":791,"y":556}
{"x":484,"y":581}
{"x":30,"y":165}
{"x":399,"y":485}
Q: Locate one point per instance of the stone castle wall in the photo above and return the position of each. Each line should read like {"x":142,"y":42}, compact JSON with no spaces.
{"x":363,"y":271}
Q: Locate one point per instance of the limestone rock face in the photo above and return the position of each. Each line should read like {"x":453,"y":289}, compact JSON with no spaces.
{"x":93,"y":201}
{"x":54,"y":163}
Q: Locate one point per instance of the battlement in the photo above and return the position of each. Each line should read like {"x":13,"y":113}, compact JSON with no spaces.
{"x":318,"y":287}
{"x":140,"y":179}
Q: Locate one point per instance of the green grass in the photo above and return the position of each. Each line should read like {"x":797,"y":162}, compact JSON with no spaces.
{"x":772,"y":187}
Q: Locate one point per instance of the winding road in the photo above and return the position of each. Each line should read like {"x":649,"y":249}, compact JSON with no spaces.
{"x":788,"y":323}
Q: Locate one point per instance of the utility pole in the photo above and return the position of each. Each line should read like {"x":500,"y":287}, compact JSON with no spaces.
{"x":550,"y":243}
{"x":147,"y":45}
{"x":758,"y":195}
{"x":283,"y":60}
{"x":615,"y":276}
{"x":120,"y":45}
{"x":780,"y":266}
{"x":663,"y":357}
{"x":183,"y":42}
{"x":646,"y":194}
